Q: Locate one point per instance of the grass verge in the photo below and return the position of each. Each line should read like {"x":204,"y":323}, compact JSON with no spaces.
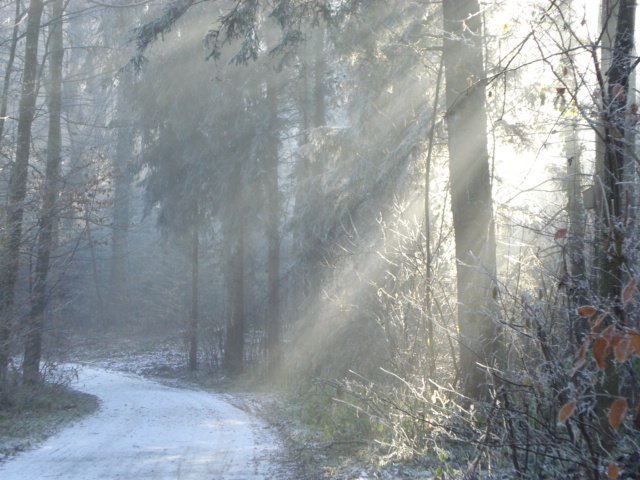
{"x":30,"y":415}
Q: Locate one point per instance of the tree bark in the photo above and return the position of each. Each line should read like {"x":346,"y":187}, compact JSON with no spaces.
{"x":610,"y":179}
{"x":48,"y":216}
{"x":18,"y":183}
{"x":8,"y":71}
{"x":234,"y":343}
{"x":611,"y":206}
{"x":118,"y":275}
{"x":272,"y":187}
{"x":470,"y":190}
{"x":193,"y":317}
{"x":427,"y":230}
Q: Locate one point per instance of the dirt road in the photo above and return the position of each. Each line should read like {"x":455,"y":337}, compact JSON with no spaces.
{"x":145,"y":430}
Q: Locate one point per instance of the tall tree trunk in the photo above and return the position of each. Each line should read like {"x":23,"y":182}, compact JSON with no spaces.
{"x":310,"y":167}
{"x":274,"y":352}
{"x":577,"y":282}
{"x":46,"y":227}
{"x":8,"y":71}
{"x":470,"y":190}
{"x":234,"y":344}
{"x":18,"y":183}
{"x":611,"y":208}
{"x":193,"y":317}
{"x":427,"y":229}
{"x":118,"y":279}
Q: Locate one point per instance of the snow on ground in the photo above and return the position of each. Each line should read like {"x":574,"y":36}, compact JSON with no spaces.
{"x":145,"y":430}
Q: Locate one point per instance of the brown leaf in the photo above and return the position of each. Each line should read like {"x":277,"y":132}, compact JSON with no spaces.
{"x":615,"y":339}
{"x":623,"y":349}
{"x":634,"y":338}
{"x":566,"y":412}
{"x":582,"y":353}
{"x":600,"y":350}
{"x":608,"y":333}
{"x":617,"y":411}
{"x":586,"y":311}
{"x":560,"y":233}
{"x":613,"y":471}
{"x":595,"y":323}
{"x":627,"y":292}
{"x":618,"y":91}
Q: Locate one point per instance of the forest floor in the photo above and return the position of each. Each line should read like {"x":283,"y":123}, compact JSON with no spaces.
{"x":305,"y":452}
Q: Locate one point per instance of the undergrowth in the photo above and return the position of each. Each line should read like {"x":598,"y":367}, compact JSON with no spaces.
{"x":30,"y":414}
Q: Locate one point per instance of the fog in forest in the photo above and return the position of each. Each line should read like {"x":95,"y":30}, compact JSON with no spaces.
{"x":422,"y":212}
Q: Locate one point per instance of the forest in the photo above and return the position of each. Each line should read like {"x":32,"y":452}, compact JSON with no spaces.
{"x":424,"y":212}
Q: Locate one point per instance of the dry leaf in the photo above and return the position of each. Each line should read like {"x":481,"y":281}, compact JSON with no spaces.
{"x":627,"y":292}
{"x":560,"y":233}
{"x":617,"y":411}
{"x":586,"y":311}
{"x":634,"y":338}
{"x":623,"y":349}
{"x":597,"y":322}
{"x":618,"y":91}
{"x":608,"y":333}
{"x":566,"y":412}
{"x":615,"y":339}
{"x":600,"y":350}
{"x":582,"y":353}
{"x":613,"y":471}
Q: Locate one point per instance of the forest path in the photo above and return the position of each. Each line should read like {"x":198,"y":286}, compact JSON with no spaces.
{"x":144,"y":429}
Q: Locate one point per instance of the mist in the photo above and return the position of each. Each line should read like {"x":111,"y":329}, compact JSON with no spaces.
{"x":424,"y":212}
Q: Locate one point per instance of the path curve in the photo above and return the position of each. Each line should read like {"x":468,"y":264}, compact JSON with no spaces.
{"x":145,"y":430}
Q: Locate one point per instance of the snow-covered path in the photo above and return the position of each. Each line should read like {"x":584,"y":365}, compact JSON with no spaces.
{"x":147,"y":430}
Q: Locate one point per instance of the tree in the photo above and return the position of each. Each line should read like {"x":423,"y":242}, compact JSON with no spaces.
{"x":18,"y":182}
{"x":48,"y":216}
{"x":470,"y":189}
{"x":118,"y":278}
{"x":611,"y":208}
{"x":9,"y":69}
{"x":273,"y":215}
{"x":613,"y":201}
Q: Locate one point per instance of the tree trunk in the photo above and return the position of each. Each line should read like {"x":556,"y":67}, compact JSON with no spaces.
{"x":272,"y":186}
{"x":234,"y":344}
{"x":577,"y":282}
{"x":46,"y":228}
{"x":118,"y":280}
{"x":8,"y":71}
{"x":611,"y":207}
{"x":309,"y":167}
{"x":193,"y":317}
{"x":18,"y":183}
{"x":470,"y":190}
{"x":427,"y":230}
